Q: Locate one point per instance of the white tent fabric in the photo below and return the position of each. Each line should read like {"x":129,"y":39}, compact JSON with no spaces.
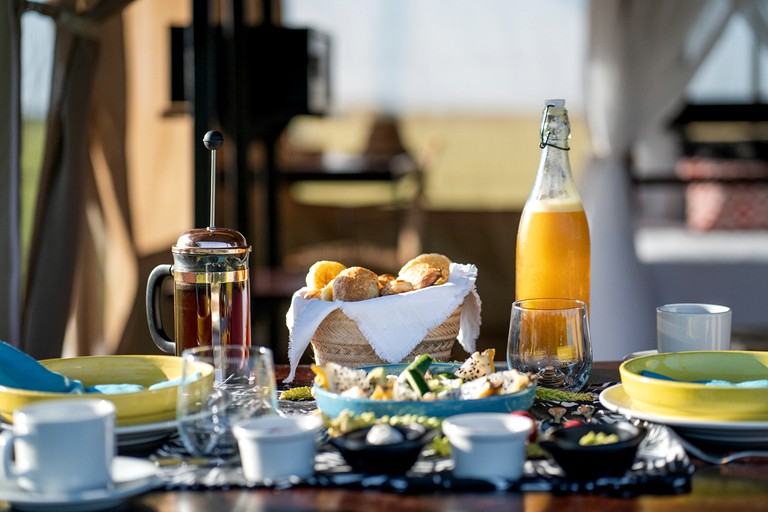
{"x":84,"y":279}
{"x":82,"y":195}
{"x":641,"y":56}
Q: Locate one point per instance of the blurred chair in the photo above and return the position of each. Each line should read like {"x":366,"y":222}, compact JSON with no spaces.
{"x":379,"y":227}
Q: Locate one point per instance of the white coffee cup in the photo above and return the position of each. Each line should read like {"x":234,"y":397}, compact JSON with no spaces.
{"x":60,"y":446}
{"x":487,"y":445}
{"x":691,"y":326}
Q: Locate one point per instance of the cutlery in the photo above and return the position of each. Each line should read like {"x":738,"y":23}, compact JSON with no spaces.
{"x":719,"y":458}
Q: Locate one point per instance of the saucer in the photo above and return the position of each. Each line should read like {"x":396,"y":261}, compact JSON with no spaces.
{"x":642,"y":353}
{"x":131,"y":477}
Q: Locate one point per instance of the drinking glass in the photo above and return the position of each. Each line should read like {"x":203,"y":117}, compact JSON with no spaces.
{"x":242,"y":386}
{"x":550,"y":338}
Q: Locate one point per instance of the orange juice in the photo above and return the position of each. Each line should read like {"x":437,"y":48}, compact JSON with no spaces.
{"x":552,"y":256}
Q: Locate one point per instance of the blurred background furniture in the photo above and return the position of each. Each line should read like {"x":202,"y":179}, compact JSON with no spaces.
{"x":702,"y":227}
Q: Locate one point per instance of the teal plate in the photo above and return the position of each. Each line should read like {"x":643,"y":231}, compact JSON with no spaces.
{"x":331,"y":404}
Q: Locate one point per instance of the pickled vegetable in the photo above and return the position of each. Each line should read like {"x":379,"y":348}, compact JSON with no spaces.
{"x":593,"y":438}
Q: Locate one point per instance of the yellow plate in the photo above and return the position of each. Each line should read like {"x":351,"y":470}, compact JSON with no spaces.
{"x":695,"y":400}
{"x":136,"y":408}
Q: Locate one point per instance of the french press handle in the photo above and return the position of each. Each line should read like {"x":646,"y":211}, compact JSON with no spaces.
{"x":154,"y":319}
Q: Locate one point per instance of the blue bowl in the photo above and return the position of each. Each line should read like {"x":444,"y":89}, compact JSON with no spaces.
{"x":331,"y":404}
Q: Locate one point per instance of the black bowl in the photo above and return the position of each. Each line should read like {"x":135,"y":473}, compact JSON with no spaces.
{"x":593,"y":461}
{"x":385,"y":459}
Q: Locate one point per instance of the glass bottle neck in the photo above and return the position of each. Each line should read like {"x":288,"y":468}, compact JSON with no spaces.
{"x":555,"y":128}
{"x":554,"y":179}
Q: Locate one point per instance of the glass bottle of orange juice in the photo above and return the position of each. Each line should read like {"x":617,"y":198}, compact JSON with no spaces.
{"x":552,"y":255}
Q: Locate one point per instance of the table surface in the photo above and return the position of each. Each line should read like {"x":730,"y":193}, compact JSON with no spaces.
{"x":736,"y":487}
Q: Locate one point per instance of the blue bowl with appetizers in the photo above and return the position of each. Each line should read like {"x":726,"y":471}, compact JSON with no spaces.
{"x":472,"y":398}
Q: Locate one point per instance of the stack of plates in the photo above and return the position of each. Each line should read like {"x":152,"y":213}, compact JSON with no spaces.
{"x":143,"y":416}
{"x":716,"y":414}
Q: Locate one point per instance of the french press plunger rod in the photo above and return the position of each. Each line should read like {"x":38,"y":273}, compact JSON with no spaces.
{"x":213,"y":140}
{"x":211,"y":283}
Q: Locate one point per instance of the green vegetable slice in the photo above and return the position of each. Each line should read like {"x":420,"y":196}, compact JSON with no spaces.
{"x":421,"y":364}
{"x":416,"y":380}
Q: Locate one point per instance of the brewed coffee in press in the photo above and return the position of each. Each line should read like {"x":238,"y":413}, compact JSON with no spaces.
{"x":211,"y":300}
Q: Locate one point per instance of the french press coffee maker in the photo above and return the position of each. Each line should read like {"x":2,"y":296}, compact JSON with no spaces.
{"x":211,"y":299}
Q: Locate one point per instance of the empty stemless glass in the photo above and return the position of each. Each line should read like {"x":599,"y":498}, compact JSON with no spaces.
{"x":550,"y":337}
{"x":243,"y":386}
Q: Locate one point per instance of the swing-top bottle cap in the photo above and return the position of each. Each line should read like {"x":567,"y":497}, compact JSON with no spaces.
{"x":554,"y":103}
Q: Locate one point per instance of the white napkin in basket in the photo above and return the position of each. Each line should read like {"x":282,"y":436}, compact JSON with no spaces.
{"x":380,"y":320}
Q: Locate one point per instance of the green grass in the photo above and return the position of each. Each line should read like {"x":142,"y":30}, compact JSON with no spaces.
{"x":32,"y":152}
{"x":482,"y":162}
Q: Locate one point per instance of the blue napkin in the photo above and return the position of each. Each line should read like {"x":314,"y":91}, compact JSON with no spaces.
{"x":175,"y":382}
{"x":759,"y":383}
{"x":21,"y":371}
{"x":128,"y":388}
{"x":111,"y":389}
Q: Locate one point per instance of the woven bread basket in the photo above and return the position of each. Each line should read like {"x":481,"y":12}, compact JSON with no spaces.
{"x":339,"y":340}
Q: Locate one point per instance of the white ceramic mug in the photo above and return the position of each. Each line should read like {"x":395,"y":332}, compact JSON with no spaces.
{"x":691,"y":326}
{"x":273,"y":447}
{"x":60,"y":446}
{"x":487,"y":445}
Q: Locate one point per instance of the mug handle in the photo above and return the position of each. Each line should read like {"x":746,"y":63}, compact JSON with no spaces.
{"x":154,"y":320}
{"x":6,"y":451}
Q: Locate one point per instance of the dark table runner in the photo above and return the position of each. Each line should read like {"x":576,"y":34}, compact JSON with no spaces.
{"x":661,"y":467}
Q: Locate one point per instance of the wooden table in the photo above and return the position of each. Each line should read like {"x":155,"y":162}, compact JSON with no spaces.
{"x":736,"y":488}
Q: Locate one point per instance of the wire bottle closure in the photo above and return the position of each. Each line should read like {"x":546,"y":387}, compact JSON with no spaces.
{"x":545,"y":138}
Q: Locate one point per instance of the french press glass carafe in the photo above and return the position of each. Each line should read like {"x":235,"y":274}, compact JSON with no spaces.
{"x":211,"y":299}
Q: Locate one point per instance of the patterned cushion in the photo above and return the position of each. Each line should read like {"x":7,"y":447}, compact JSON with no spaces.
{"x":722,"y":205}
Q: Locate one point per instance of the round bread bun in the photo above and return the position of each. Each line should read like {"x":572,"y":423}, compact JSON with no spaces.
{"x":386,"y":278}
{"x":433,"y":259}
{"x":355,"y":284}
{"x":322,"y":272}
{"x":395,"y":286}
{"x":421,"y":275}
{"x":327,"y":292}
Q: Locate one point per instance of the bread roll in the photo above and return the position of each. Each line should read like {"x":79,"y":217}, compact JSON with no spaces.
{"x":390,"y":285}
{"x":355,"y":284}
{"x":327,"y":292}
{"x":421,"y":275}
{"x":322,"y":272}
{"x":434,"y":259}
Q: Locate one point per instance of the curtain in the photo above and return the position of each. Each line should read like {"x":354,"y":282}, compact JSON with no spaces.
{"x":10,"y":127}
{"x":756,"y":14}
{"x":95,"y":236}
{"x":641,"y":54}
{"x":82,"y":189}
